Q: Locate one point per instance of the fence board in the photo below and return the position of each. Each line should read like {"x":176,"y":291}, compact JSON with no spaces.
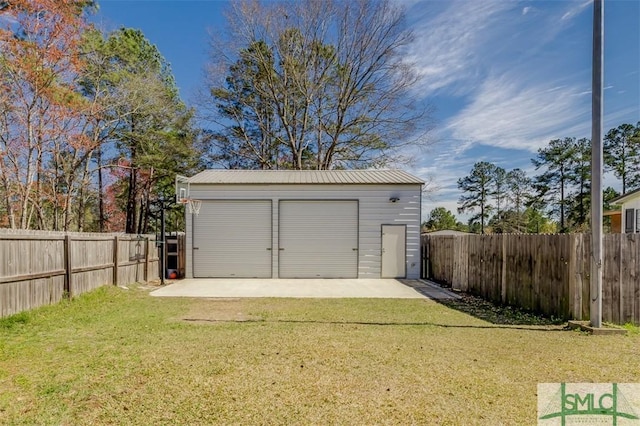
{"x":547,"y":253}
{"x":630,"y":277}
{"x":611,"y":279}
{"x":586,"y":276}
{"x":573,"y":295}
{"x":459,"y":278}
{"x":565,"y":305}
{"x":512,"y":260}
{"x":549,"y":274}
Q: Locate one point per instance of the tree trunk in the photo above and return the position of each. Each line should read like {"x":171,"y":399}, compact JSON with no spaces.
{"x":101,"y":218}
{"x":82,"y":197}
{"x":131,"y":202}
{"x":141,"y":216}
{"x":7,"y":199}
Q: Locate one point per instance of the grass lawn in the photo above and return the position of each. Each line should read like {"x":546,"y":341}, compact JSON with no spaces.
{"x":118,"y":356}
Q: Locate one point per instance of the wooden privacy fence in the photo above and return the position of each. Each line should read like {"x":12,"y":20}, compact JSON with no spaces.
{"x":40,"y":268}
{"x":549,"y":274}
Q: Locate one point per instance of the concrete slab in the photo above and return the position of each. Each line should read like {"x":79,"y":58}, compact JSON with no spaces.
{"x":314,"y":288}
{"x":431,"y":290}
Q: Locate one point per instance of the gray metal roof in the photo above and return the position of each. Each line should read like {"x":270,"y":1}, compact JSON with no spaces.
{"x":625,"y":197}
{"x":447,"y":232}
{"x":341,"y":177}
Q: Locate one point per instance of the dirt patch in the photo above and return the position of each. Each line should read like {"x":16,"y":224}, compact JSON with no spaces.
{"x":219,"y":310}
{"x":147,"y":286}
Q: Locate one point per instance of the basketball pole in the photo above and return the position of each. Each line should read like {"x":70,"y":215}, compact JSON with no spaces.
{"x":162,"y":244}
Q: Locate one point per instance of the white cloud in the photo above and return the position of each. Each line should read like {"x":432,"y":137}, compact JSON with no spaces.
{"x":459,"y":43}
{"x":448,"y":47}
{"x":576,"y":10}
{"x":507,"y":113}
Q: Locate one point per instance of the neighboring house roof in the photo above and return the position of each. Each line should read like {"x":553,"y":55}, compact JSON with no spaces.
{"x":446,"y":232}
{"x":342,"y":177}
{"x":626,"y":197}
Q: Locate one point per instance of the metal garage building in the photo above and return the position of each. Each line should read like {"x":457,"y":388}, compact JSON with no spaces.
{"x":303,"y":224}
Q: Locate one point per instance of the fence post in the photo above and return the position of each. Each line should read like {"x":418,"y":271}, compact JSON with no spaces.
{"x":427,"y":258}
{"x":68,"y":273}
{"x":146,"y":259}
{"x":115,"y":260}
{"x":577,"y":277}
{"x":423,"y":269}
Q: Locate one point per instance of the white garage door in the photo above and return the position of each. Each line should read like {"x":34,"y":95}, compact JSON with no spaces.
{"x":232,"y":239}
{"x":318,"y":239}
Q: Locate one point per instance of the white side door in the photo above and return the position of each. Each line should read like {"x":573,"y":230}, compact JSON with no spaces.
{"x":394,"y":263}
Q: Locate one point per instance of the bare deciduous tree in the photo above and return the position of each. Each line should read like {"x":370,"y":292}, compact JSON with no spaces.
{"x":313,"y":85}
{"x":40,"y":138}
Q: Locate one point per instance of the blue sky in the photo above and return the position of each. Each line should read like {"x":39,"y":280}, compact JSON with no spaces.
{"x":505,"y":77}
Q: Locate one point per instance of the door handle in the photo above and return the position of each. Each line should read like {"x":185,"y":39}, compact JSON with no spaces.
{"x":281,"y":249}
{"x":269,"y":248}
{"x":196,"y":248}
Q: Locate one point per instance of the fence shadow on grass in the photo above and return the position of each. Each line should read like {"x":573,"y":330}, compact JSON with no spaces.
{"x":497,"y":314}
{"x":372,"y":323}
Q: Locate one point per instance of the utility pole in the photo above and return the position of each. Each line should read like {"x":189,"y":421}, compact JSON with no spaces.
{"x":595,"y":313}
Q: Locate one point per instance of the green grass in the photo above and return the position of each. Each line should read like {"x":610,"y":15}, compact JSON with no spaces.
{"x":632,"y":329}
{"x":14,"y":321}
{"x":118,"y":356}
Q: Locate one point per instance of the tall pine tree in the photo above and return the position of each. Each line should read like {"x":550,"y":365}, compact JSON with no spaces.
{"x":477,"y":189}
{"x":622,"y":154}
{"x":553,"y":184}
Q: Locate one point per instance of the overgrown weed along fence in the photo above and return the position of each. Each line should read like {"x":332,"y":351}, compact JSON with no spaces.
{"x":548,"y":274}
{"x":40,"y":268}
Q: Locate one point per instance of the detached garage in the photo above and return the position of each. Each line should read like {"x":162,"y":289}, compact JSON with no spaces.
{"x":303,"y":224}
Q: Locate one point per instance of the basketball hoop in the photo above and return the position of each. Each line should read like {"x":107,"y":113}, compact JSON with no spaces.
{"x":182,"y":195}
{"x":182,"y":189}
{"x":194,"y":206}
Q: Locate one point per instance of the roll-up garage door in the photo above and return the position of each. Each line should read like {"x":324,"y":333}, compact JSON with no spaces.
{"x":318,"y":239}
{"x":232,"y":239}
